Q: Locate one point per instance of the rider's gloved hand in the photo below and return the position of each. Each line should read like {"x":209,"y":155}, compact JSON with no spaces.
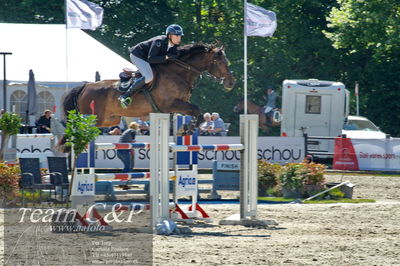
{"x":172,"y":56}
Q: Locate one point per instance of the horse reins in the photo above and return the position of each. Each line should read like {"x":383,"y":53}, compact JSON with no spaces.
{"x":195,"y":70}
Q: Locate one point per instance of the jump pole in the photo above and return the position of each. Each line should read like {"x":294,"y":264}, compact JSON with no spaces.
{"x":248,"y":176}
{"x":159,"y":168}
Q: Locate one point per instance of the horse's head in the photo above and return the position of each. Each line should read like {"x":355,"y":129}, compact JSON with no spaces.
{"x":218,"y":67}
{"x":239,"y":107}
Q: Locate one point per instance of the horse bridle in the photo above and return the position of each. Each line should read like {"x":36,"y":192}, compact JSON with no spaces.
{"x":195,"y":70}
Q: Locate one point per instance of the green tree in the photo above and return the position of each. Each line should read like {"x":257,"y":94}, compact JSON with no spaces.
{"x":80,"y":131}
{"x":368,"y":32}
{"x":9,"y":125}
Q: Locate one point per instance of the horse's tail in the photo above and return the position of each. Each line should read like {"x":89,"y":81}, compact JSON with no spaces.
{"x":71,"y":99}
{"x":70,"y":102}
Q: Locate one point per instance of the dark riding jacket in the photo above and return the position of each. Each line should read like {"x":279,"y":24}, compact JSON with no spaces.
{"x":154,"y":50}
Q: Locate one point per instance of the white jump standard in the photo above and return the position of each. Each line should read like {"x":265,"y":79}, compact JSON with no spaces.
{"x":159,"y":169}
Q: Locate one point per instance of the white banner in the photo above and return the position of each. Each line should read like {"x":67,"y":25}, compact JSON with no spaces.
{"x":377,"y":154}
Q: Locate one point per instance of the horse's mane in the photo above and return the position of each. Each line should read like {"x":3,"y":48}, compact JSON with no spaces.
{"x":194,"y":48}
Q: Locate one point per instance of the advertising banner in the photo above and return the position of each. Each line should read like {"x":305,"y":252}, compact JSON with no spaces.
{"x":273,"y":149}
{"x":367,"y":154}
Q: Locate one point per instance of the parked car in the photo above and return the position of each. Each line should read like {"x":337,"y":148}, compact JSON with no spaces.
{"x":359,"y":127}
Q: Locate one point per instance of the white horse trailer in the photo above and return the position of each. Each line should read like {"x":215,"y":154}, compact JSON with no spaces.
{"x":315,"y":107}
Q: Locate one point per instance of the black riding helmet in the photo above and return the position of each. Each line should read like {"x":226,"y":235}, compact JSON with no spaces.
{"x":174,"y":29}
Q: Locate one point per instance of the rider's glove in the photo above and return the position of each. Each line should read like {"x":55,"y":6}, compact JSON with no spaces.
{"x":172,"y":56}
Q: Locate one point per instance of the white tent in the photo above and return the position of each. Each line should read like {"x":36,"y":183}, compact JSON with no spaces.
{"x":42,"y":48}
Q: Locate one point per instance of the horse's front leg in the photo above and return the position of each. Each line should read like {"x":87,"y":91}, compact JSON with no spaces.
{"x":180,"y":106}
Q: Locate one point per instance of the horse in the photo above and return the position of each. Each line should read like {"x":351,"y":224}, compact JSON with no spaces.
{"x":169,"y":92}
{"x":253,"y":108}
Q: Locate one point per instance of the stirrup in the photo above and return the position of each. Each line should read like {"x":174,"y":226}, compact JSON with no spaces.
{"x":125,"y":102}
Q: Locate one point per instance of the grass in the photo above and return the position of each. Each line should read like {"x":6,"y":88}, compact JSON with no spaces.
{"x":372,"y":173}
{"x":276,"y":199}
{"x":344,"y":200}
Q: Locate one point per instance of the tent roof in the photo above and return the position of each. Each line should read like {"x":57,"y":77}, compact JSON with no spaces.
{"x":42,"y":48}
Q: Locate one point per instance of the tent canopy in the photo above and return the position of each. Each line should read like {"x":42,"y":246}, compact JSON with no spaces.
{"x":42,"y":48}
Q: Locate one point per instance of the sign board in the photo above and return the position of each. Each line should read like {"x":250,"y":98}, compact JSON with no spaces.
{"x":186,"y":183}
{"x":273,"y":149}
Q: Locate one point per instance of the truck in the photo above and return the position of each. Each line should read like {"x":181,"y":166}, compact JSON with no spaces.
{"x":316,"y":108}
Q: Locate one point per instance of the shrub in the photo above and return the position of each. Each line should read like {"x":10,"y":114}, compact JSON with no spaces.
{"x":306,"y":179}
{"x":291,"y":177}
{"x":335,"y":193}
{"x":267,"y":176}
{"x":9,"y":176}
{"x":313,"y":173}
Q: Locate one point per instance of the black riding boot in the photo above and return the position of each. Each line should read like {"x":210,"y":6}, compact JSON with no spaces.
{"x":125,"y":98}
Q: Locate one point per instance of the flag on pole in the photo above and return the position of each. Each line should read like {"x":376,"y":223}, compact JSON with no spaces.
{"x":259,"y":22}
{"x":83,"y":14}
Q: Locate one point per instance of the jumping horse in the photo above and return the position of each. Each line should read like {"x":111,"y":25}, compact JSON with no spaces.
{"x":263,"y":123}
{"x":169,"y":92}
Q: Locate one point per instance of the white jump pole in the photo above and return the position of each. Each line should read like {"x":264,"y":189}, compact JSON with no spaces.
{"x":248,"y":161}
{"x":159,"y":168}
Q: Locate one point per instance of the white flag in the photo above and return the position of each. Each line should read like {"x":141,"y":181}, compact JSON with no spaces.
{"x":84,"y":14}
{"x":260,"y":22}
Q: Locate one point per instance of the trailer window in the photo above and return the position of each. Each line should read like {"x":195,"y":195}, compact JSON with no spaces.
{"x":313,"y":104}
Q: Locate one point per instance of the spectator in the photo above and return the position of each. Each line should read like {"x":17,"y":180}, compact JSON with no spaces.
{"x":270,"y":97}
{"x":43,"y":124}
{"x":208,"y":124}
{"x":144,"y":127}
{"x":125,"y":156}
{"x":219,"y":126}
{"x":115,"y":131}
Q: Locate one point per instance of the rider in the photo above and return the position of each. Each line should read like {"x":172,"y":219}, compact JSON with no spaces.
{"x":156,"y":50}
{"x":270,"y":96}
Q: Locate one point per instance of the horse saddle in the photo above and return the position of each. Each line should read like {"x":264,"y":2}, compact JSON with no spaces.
{"x":126,"y":78}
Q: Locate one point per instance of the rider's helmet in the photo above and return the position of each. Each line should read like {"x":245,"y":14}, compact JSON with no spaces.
{"x":174,"y":29}
{"x":268,"y":87}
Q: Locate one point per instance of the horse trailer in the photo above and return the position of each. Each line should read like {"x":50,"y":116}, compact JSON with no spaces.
{"x":316,"y":108}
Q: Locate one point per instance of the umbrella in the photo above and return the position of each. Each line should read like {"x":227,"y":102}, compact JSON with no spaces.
{"x":32,"y":101}
{"x":97,"y":76}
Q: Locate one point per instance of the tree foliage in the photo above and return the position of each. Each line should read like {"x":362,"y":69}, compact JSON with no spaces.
{"x":368,"y":33}
{"x":80,"y":131}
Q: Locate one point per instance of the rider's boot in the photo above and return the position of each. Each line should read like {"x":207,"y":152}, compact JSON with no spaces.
{"x":125,"y":98}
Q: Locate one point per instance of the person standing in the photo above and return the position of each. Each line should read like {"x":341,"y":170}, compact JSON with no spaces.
{"x":128,"y":136}
{"x":270,"y":97}
{"x":43,"y":124}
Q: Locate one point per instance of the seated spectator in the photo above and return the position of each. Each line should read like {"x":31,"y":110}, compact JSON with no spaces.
{"x":144,"y":127}
{"x":115,"y":131}
{"x":43,"y":124}
{"x":219,"y":126}
{"x":208,"y":124}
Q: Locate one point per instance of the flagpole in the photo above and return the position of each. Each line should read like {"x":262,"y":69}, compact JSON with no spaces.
{"x":245,"y":57}
{"x":66,"y":47}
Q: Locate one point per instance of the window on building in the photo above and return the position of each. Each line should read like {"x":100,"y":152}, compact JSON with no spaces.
{"x":313,"y":104}
{"x":18,"y":102}
{"x":45,"y":100}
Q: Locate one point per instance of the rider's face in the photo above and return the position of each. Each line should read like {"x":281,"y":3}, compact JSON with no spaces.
{"x":175,"y":39}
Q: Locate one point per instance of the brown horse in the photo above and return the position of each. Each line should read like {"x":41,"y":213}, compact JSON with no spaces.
{"x":170,"y":91}
{"x":253,"y":108}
